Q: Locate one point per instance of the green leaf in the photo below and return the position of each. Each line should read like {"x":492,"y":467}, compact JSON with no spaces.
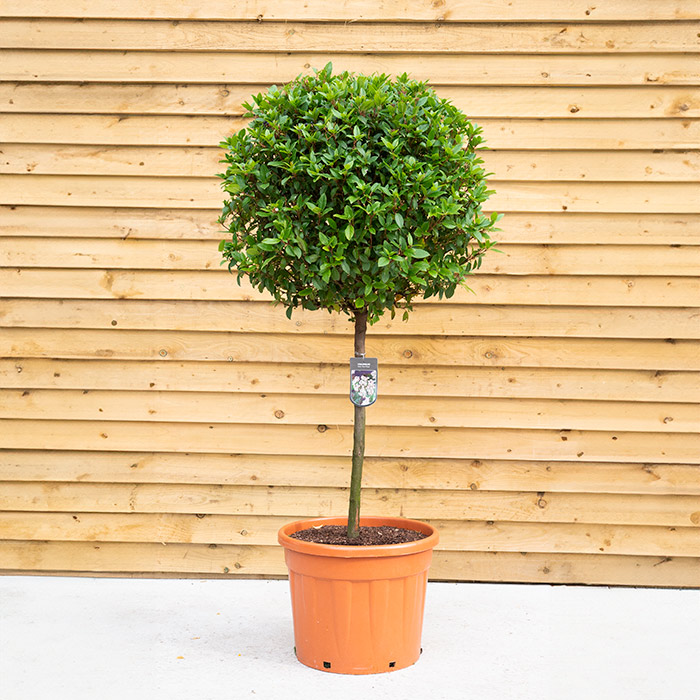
{"x":326,"y":156}
{"x":419,"y":253}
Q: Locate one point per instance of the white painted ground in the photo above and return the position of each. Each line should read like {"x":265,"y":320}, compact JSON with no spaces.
{"x":104,"y":639}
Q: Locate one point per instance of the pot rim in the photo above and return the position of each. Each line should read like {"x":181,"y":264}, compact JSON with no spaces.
{"x":354,"y":551}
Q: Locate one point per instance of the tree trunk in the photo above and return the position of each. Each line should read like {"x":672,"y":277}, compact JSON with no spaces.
{"x":358,"y":437}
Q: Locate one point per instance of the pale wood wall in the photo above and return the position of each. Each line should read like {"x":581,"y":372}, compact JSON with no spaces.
{"x":155,"y":418}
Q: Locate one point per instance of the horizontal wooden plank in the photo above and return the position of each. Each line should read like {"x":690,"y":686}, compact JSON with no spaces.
{"x":38,"y":283}
{"x":628,"y":197}
{"x":254,"y":36}
{"x":426,"y":319}
{"x":140,"y":254}
{"x":553,"y":537}
{"x":117,"y":223}
{"x":654,"y":101}
{"x":659,"y":356}
{"x":208,"y":131}
{"x":116,"y":129}
{"x":602,"y":509}
{"x":249,"y":67}
{"x":71,"y":558}
{"x":595,"y":166}
{"x":606,"y":569}
{"x":285,"y":409}
{"x":568,"y":228}
{"x":176,"y":528}
{"x":203,"y":193}
{"x":364,"y":10}
{"x":595,"y":134}
{"x":592,"y":260}
{"x":115,"y":253}
{"x":476,"y":443}
{"x":111,"y":160}
{"x":126,"y":557}
{"x":562,"y":228}
{"x":396,"y":379}
{"x":385,"y":473}
{"x":177,"y":162}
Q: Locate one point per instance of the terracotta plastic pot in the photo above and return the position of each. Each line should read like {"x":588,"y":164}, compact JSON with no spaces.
{"x":358,"y":609}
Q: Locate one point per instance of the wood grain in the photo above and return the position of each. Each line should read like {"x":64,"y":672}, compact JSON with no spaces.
{"x":657,"y":356}
{"x":182,"y":162}
{"x":364,"y":10}
{"x":569,"y":290}
{"x":653,"y":102}
{"x":290,"y":36}
{"x":284,"y":409}
{"x":379,"y":472}
{"x":209,"y":131}
{"x":398,"y":379}
{"x":559,"y":228}
{"x":157,"y":419}
{"x":335,"y":440}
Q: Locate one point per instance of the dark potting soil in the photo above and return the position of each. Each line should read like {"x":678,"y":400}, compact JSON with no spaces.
{"x":337,"y":534}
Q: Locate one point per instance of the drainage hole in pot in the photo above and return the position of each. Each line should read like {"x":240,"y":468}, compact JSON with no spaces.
{"x":326,"y":664}
{"x":392,"y":664}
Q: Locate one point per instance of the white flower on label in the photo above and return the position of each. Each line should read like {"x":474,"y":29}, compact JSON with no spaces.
{"x":363,"y":389}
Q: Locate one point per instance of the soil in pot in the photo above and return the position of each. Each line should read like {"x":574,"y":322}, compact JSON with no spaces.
{"x":369,"y":535}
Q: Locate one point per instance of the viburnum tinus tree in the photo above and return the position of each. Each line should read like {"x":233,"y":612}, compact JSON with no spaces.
{"x":355,"y":194}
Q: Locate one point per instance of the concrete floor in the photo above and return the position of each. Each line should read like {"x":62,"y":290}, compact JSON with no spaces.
{"x":104,"y":639}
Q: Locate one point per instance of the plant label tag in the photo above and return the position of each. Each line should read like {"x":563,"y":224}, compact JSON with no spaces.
{"x":363,"y":380}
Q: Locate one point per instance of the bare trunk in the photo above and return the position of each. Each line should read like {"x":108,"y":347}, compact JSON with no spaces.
{"x":358,"y":437}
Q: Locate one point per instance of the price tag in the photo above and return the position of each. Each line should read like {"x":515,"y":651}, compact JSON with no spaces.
{"x":363,"y":380}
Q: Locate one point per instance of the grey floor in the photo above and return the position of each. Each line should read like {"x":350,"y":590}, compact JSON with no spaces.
{"x":79,"y":638}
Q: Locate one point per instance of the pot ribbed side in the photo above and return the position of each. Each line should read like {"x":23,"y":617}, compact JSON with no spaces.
{"x":358,"y":614}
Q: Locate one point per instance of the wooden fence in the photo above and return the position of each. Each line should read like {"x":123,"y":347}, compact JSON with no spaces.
{"x":157,"y":419}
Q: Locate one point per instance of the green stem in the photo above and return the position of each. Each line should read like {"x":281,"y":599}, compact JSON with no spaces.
{"x":358,"y":438}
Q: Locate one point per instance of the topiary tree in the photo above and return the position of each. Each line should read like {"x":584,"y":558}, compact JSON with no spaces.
{"x":355,"y":194}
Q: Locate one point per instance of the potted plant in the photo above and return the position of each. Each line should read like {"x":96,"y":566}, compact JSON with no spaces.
{"x":355,"y":194}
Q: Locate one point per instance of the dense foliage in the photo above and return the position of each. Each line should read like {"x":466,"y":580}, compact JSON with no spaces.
{"x":354,"y":193}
